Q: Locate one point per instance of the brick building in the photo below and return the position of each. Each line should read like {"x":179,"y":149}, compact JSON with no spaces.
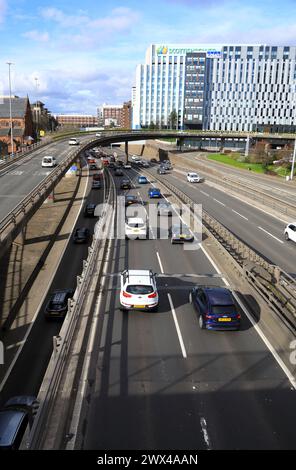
{"x":117,"y":115}
{"x":22,"y":124}
{"x":76,"y":120}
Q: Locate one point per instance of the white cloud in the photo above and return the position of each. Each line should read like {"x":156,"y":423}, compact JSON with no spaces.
{"x":37,"y":36}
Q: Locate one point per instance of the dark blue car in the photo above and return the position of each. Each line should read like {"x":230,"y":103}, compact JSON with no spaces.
{"x":215,"y":307}
{"x":154,"y":192}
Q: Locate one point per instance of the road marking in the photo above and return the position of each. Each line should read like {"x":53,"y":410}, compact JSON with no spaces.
{"x":184,"y":353}
{"x":160,"y":263}
{"x":263,"y":230}
{"x":206,"y":194}
{"x":15,"y":345}
{"x":174,"y":313}
{"x":239,"y":214}
{"x":203,"y":424}
{"x":219,"y":202}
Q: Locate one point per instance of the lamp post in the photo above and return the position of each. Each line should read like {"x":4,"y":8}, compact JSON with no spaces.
{"x":10,"y":109}
{"x":294,"y":153}
{"x":37,"y":114}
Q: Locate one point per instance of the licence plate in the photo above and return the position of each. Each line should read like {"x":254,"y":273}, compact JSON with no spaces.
{"x":136,"y":231}
{"x":139,"y":306}
{"x":224,"y":319}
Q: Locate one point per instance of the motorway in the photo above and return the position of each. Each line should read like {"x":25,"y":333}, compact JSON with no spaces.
{"x":20,"y":178}
{"x":159,"y":382}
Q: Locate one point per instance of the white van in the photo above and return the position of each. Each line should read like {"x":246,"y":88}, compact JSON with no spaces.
{"x":48,"y":161}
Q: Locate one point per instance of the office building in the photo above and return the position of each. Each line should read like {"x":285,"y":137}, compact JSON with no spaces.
{"x":217,"y":87}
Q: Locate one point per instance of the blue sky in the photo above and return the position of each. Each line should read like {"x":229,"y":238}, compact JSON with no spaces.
{"x":85,"y":53}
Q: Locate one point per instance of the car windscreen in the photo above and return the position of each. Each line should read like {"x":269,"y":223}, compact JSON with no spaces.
{"x":47,"y":160}
{"x":136,"y":225}
{"x":223,"y":309}
{"x":139,"y":289}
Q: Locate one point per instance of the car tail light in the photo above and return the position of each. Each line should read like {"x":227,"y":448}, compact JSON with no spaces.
{"x":125,"y":294}
{"x":152,"y":296}
{"x":208,"y":315}
{"x":238,"y":316}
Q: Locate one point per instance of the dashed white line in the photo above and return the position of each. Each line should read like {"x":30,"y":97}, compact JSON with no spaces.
{"x":219,"y":202}
{"x":242,"y":216}
{"x":270,"y":234}
{"x":184,"y":353}
{"x":206,"y":194}
{"x":203,"y":424}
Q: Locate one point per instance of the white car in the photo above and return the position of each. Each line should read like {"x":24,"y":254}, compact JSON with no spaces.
{"x":136,"y":158}
{"x":74,"y":141}
{"x":290,"y":232}
{"x":135,"y":227}
{"x":193,"y":177}
{"x":138,"y":290}
{"x":127,"y":166}
{"x":48,"y":162}
{"x":98,"y":134}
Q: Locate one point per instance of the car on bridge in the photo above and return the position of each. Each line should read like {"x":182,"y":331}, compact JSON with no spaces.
{"x":154,"y":193}
{"x":48,"y":162}
{"x":74,"y":141}
{"x":290,"y":232}
{"x":138,"y":290}
{"x":215,"y":307}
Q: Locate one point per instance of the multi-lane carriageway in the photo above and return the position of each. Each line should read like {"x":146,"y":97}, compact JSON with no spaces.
{"x":159,"y":382}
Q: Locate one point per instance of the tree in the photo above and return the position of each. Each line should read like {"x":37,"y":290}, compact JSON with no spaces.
{"x":173,"y":117}
{"x":151,"y":125}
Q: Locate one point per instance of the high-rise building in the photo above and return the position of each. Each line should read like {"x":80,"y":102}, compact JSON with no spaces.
{"x":217,"y":87}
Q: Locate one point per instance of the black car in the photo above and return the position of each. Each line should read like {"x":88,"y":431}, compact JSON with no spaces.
{"x":125,"y":184}
{"x":161,"y":171}
{"x":89,"y":210}
{"x":215,"y":307}
{"x":81,"y":235}
{"x":153,"y":160}
{"x":93,"y":166}
{"x":112,"y":165}
{"x":17,"y":413}
{"x":118,"y":172}
{"x":131,"y":199}
{"x":57,"y":306}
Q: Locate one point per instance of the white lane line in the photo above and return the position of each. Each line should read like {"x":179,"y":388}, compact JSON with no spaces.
{"x":206,"y":194}
{"x":270,"y":234}
{"x":203,"y":424}
{"x":11,"y":346}
{"x":219,"y":202}
{"x":242,"y":216}
{"x":184,"y":353}
{"x":266,"y":342}
{"x":160,"y":263}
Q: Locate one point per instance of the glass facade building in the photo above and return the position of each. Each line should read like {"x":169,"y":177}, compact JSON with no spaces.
{"x":217,"y":87}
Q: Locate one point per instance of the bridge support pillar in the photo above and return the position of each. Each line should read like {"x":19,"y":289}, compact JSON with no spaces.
{"x":50,"y":198}
{"x":126,"y":151}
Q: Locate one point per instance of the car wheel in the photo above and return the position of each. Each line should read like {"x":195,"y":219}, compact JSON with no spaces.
{"x":287,"y":236}
{"x":201,"y":322}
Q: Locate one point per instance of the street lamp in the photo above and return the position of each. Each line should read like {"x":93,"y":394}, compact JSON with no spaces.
{"x":36,"y":107}
{"x":294,"y":153}
{"x":10,"y":109}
